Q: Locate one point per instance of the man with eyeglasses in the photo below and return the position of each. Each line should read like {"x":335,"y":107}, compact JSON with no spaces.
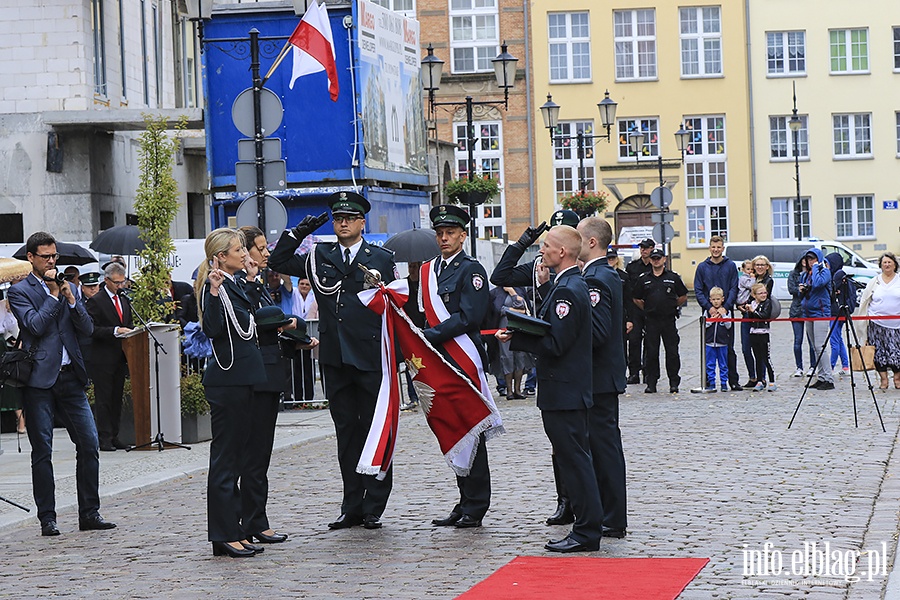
{"x":659,"y":292}
{"x":107,"y":367}
{"x":349,"y":340}
{"x":50,"y":321}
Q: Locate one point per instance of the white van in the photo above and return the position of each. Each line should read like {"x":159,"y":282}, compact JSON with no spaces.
{"x":784,"y":256}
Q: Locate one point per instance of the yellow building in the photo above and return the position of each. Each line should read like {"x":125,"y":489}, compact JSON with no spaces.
{"x":670,"y":66}
{"x":846,"y":67}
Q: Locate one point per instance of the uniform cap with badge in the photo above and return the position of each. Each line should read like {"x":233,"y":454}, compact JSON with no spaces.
{"x":647,"y":243}
{"x":348,"y":203}
{"x":611,"y":253}
{"x":657,"y":253}
{"x":90,"y":279}
{"x":448,"y":215}
{"x":564,"y":217}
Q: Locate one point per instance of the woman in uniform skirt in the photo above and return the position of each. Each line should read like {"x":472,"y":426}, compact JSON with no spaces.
{"x":237,"y":366}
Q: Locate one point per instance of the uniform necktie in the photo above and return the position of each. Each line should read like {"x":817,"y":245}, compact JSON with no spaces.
{"x":443,"y":266}
{"x":118,"y":308}
{"x":347,"y":257}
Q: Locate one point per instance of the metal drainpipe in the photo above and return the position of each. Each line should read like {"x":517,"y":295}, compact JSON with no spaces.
{"x":528,"y":115}
{"x":753,"y":216}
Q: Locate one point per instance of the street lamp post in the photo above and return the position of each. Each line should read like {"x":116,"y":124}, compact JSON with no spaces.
{"x":505,"y":72}
{"x":550,"y":113}
{"x":636,"y":144}
{"x":795,"y":123}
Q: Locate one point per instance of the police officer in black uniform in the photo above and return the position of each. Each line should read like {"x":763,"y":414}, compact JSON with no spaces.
{"x":635,"y":269}
{"x":508,"y":273}
{"x":659,"y":293}
{"x":350,"y":341}
{"x":462,"y":285}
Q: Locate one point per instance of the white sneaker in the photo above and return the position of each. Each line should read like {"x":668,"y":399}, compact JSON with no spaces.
{"x":845,"y":372}
{"x":810,"y":371}
{"x":798,"y":373}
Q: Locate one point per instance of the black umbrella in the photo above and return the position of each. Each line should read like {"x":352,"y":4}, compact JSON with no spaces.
{"x":123,"y":239}
{"x":69,"y":254}
{"x":413,"y":245}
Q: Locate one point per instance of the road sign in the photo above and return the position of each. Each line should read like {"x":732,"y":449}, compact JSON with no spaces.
{"x":661,"y":197}
{"x":889,"y":204}
{"x":276,"y":215}
{"x":663,"y":233}
{"x":271,"y":149}
{"x":662,"y":217}
{"x":274,"y":175}
{"x":270,"y":109}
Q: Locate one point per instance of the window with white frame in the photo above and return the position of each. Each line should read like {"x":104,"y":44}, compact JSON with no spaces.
{"x":635,"y":44}
{"x":565,"y":156}
{"x":99,"y":46}
{"x":786,"y":52}
{"x":897,"y":116}
{"x":650,"y":129}
{"x":701,"y":41}
{"x":488,"y":154}
{"x":706,"y":180}
{"x":407,"y":8}
{"x":784,"y":218}
{"x":852,"y":135}
{"x":474,"y":35}
{"x":855,"y":216}
{"x":849,"y":50}
{"x":781,"y":138}
{"x":570,"y":47}
{"x":896,"y":48}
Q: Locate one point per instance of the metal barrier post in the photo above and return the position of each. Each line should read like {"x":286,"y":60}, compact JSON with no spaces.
{"x":703,"y":387}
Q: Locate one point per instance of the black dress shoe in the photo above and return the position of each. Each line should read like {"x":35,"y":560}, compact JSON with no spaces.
{"x":736,"y":387}
{"x":650,"y":389}
{"x":344,"y":521}
{"x":254,"y":547}
{"x":49,"y":528}
{"x":612,"y":532}
{"x":93,"y":523}
{"x":226,"y":549}
{"x":562,"y":516}
{"x":107,"y":447}
{"x":633,"y":379}
{"x":468,"y":521}
{"x":569,"y":545}
{"x":824,"y":385}
{"x":119,"y":445}
{"x":371,"y":522}
{"x":673,"y":389}
{"x":451,"y":519}
{"x":275,"y":538}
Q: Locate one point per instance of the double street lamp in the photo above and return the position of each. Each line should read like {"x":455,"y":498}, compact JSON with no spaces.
{"x":795,"y":124}
{"x":505,"y":72}
{"x":550,"y":113}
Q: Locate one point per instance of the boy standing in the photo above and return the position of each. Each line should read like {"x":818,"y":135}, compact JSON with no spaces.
{"x":717,"y":338}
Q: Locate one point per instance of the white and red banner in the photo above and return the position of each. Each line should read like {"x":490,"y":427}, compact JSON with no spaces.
{"x":456,"y":411}
{"x":314,"y":47}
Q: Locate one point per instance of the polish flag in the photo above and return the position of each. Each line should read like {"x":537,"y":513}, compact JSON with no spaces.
{"x":314,"y":47}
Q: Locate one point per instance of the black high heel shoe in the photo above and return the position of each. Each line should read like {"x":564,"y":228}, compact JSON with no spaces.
{"x":251,"y":546}
{"x":275,"y":538}
{"x":226,"y":549}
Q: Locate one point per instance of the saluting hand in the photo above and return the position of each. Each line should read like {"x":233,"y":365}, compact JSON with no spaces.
{"x":308,"y":225}
{"x":531,"y":235}
{"x":215,"y":277}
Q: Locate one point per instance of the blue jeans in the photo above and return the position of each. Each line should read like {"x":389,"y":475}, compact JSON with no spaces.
{"x":838,"y":349}
{"x":66,"y":400}
{"x":797,"y":326}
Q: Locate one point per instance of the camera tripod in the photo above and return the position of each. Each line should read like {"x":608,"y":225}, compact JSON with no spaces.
{"x":847,"y":319}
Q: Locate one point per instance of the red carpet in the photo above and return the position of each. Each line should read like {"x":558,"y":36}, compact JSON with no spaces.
{"x":582,"y":578}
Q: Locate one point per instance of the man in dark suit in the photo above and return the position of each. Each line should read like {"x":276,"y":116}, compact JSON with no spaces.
{"x":50,"y":321}
{"x":564,"y":393}
{"x":462,"y":288}
{"x":608,"y":374}
{"x":107,"y":367}
{"x":349,"y":341}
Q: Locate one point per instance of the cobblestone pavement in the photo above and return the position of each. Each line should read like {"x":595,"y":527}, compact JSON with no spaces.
{"x":710,"y":475}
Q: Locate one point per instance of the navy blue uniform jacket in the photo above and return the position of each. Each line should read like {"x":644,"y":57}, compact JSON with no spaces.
{"x":605,"y":292}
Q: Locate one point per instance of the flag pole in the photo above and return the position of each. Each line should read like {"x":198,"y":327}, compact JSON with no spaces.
{"x":277,"y":62}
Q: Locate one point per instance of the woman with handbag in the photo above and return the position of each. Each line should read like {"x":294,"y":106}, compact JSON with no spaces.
{"x":881,"y":298}
{"x":227,"y":319}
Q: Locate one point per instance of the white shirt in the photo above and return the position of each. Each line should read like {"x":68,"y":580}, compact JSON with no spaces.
{"x":558,"y":275}
{"x":66,"y":359}
{"x":299,"y":305}
{"x":441,"y":259}
{"x":353,"y":250}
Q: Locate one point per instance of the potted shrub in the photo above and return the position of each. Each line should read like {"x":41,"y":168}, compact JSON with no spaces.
{"x":585,"y":203}
{"x":474,"y":192}
{"x":196,"y":425}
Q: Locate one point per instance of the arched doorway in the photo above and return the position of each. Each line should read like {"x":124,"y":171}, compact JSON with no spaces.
{"x":632,"y":219}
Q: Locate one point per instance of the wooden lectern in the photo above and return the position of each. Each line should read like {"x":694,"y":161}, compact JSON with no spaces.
{"x":137,"y":353}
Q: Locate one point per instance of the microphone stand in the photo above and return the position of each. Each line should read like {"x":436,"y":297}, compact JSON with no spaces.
{"x":159,"y":440}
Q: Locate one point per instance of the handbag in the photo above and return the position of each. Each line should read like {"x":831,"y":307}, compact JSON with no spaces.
{"x":868,"y":358}
{"x":16,"y":365}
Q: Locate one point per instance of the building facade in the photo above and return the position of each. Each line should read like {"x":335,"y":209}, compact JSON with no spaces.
{"x":667,"y":67}
{"x":77,"y":77}
{"x":846,"y":69}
